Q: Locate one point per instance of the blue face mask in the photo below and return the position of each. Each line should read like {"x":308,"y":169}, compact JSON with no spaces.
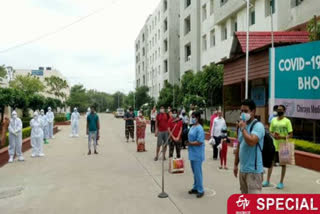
{"x":193,"y":121}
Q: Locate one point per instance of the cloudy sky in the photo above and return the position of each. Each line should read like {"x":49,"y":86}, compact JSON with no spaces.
{"x":97,"y":52}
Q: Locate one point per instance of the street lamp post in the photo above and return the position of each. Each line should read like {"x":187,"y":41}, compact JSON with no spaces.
{"x":247,"y":49}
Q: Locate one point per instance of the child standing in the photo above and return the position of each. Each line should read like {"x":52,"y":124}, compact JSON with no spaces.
{"x":223,"y":147}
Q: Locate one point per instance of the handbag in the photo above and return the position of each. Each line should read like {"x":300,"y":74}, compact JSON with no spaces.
{"x":212,"y":141}
{"x":176,"y":165}
{"x":286,"y":153}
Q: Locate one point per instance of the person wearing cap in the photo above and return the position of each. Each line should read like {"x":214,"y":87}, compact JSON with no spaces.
{"x":44,"y":119}
{"x":75,"y":117}
{"x":50,"y":118}
{"x":36,"y":136}
{"x":15,"y":138}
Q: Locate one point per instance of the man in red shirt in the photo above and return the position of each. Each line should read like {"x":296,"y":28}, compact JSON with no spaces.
{"x":175,"y":130}
{"x":162,"y":132}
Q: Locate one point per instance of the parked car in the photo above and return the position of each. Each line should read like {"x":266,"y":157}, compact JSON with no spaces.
{"x":119,"y":113}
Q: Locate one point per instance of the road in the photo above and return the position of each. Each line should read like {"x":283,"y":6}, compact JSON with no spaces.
{"x":120,"y":180}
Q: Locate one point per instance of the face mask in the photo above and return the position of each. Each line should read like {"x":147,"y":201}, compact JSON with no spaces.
{"x":280,"y":113}
{"x":174,"y":115}
{"x":245,"y":117}
{"x":162,"y":110}
{"x":140,"y":114}
{"x":14,"y":116}
{"x":193,"y":121}
{"x":275,"y":113}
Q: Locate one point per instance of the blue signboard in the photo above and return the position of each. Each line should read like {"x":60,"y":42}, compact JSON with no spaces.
{"x":37,"y":72}
{"x":297,"y":79}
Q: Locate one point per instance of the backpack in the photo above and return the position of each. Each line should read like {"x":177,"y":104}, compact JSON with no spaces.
{"x":268,"y":151}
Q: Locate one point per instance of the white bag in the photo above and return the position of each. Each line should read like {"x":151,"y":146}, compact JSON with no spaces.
{"x":212,"y":141}
{"x":219,"y":146}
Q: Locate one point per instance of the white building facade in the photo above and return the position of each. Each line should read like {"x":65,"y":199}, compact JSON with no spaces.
{"x":157,"y":48}
{"x":206,"y":29}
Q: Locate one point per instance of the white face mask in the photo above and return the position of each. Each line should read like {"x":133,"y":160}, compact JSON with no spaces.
{"x":174,"y":115}
{"x":140,"y":114}
{"x":162,"y":110}
{"x":14,"y":116}
{"x":275,"y":113}
{"x":245,"y":117}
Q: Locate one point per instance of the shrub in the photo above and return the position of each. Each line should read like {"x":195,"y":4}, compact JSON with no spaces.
{"x":60,"y":119}
{"x":306,"y":146}
{"x":26,"y":132}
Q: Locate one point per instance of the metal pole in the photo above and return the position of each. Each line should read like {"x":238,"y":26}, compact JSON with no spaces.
{"x":118,"y":99}
{"x":271,"y":15}
{"x":163,"y":194}
{"x":272,"y":66}
{"x":247,"y":50}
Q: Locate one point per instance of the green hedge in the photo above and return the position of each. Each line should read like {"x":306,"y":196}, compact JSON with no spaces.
{"x":26,"y":132}
{"x":306,"y":146}
{"x":60,"y":119}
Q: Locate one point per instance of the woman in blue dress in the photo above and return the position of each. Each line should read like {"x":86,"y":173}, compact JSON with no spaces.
{"x":196,"y":149}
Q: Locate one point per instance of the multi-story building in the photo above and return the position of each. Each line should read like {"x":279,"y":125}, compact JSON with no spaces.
{"x":222,"y":18}
{"x":42,"y":73}
{"x":207,"y":31}
{"x":157,"y":48}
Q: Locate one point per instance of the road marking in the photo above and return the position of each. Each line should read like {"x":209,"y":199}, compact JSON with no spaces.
{"x":209,"y":192}
{"x":318,"y":181}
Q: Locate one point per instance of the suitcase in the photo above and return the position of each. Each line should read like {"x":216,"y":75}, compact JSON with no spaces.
{"x":176,"y":165}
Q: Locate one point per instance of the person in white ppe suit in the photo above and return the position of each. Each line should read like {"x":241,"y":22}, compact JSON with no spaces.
{"x":45,"y":124}
{"x":15,"y":138}
{"x":36,"y":136}
{"x":50,"y":118}
{"x":75,"y":117}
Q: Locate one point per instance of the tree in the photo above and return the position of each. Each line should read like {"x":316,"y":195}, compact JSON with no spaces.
{"x":36,"y":102}
{"x":142,"y":97}
{"x":28,"y":84}
{"x":313,"y":28}
{"x":166,"y":96}
{"x":56,"y":86}
{"x":118,"y":100}
{"x":5,"y":100}
{"x":78,"y":98}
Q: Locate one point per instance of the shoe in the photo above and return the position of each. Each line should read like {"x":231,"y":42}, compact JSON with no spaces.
{"x":33,"y":155}
{"x":164,"y":158}
{"x":77,"y":135}
{"x":133,"y":141}
{"x":220,"y":167}
{"x":226,"y":168}
{"x":155,"y":159}
{"x":89,"y":153}
{"x":193,"y":191}
{"x":95,"y":152}
{"x":10,"y":159}
{"x":200,"y":195}
{"x":265,"y":184}
{"x":20,"y":158}
{"x":41,"y":155}
{"x":280,"y":186}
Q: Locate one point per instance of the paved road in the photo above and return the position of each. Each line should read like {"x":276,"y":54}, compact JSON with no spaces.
{"x":120,"y":180}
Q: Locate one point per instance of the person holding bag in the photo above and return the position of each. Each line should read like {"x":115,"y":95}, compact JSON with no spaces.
{"x":281,"y":131}
{"x":175,"y":130}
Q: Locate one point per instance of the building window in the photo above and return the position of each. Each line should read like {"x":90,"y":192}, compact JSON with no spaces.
{"x":165,"y":5}
{"x":188,"y":3}
{"x":187,"y":25}
{"x":159,"y":34}
{"x":204,"y":12}
{"x":159,"y":52}
{"x":212,"y":38}
{"x":211,"y":6}
{"x":234,"y":26}
{"x":165,"y":64}
{"x":224,"y":32}
{"x":204,"y":43}
{"x":143,"y":37}
{"x":144,"y":79}
{"x":165,"y":25}
{"x":187,"y":50}
{"x":156,"y":55}
{"x":270,"y":6}
{"x":143,"y":51}
{"x":295,"y":3}
{"x":159,"y":69}
{"x":165,"y":45}
{"x":142,"y":66}
{"x":222,"y":2}
{"x":252,"y":16}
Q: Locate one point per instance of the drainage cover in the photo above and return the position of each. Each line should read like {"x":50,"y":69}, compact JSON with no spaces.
{"x":10,"y":192}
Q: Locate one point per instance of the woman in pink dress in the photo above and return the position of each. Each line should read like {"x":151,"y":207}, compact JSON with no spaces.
{"x":141,"y":124}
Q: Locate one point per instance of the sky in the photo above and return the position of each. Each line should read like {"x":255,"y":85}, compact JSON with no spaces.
{"x":97,"y":52}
